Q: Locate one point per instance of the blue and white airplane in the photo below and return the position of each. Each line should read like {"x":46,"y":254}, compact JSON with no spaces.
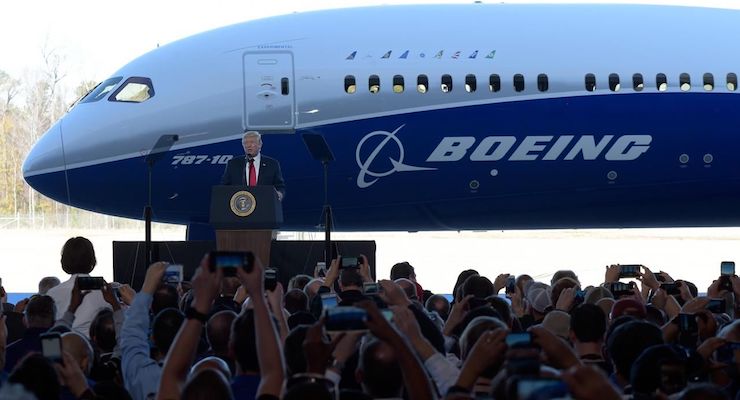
{"x":440,"y":117}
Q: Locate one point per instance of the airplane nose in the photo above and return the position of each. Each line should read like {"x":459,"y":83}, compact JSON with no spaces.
{"x":44,"y":167}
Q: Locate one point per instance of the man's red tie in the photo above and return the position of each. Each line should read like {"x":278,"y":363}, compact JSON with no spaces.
{"x":252,"y":174}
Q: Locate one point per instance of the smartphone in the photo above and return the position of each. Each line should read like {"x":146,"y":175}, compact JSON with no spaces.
{"x":620,"y":289}
{"x":726,"y":353}
{"x":521,"y":339}
{"x":727,"y":268}
{"x":350,"y":262}
{"x":659,"y":277}
{"x":90,"y":282}
{"x":539,"y":388}
{"x":229,"y":261}
{"x":328,"y":300}
{"x":629,"y":271}
{"x":510,"y":284}
{"x":580,"y":296}
{"x":687,"y":323}
{"x":671,"y":288}
{"x":342,"y":319}
{"x":271,"y":279}
{"x":371,"y":288}
{"x":717,"y":306}
{"x":51,"y":347}
{"x":173,"y":273}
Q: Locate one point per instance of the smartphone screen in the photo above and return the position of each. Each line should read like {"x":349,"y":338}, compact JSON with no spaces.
{"x":717,"y":306}
{"x":271,"y":279}
{"x":519,"y":339}
{"x":328,"y":300}
{"x":346,"y":319}
{"x":629,"y":271}
{"x":350,"y":262}
{"x":539,"y":388}
{"x":173,"y":273}
{"x":90,"y":282}
{"x":51,"y":346}
{"x":229,"y":261}
{"x":370,"y":288}
{"x":727,"y":268}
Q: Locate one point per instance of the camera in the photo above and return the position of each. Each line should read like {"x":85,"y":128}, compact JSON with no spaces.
{"x":51,"y":347}
{"x":342,"y":319}
{"x":350,"y":262}
{"x":229,"y":261}
{"x":173,"y":273}
{"x":271,"y":279}
{"x":629,"y":271}
{"x":90,"y":282}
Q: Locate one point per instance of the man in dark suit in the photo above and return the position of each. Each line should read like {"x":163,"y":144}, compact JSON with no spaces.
{"x":254,"y":169}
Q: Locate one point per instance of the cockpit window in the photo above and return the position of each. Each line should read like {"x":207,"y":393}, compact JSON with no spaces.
{"x":102,"y":90}
{"x":134,"y":90}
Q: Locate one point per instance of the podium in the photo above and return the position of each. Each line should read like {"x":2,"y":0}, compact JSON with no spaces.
{"x":246,"y":218}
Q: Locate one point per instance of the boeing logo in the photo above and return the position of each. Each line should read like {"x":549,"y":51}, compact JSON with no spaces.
{"x":496,"y":148}
{"x":396,"y":165}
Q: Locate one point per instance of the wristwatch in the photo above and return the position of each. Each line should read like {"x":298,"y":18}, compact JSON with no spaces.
{"x":192,"y":313}
{"x":338,"y":365}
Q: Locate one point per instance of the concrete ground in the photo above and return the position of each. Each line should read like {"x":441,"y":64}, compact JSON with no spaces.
{"x":691,"y":254}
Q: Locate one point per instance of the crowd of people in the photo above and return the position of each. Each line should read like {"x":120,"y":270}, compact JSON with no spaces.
{"x":342,"y":334}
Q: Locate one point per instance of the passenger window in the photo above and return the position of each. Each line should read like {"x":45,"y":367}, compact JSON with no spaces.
{"x":350,"y":86}
{"x":374,"y":84}
{"x":543,"y":83}
{"x":446,"y":83}
{"x":638,"y":83}
{"x":422,"y":83}
{"x":685,"y":81}
{"x":102,"y":90}
{"x":398,"y":84}
{"x":614,"y":82}
{"x":134,"y":90}
{"x":470,"y":83}
{"x":708,"y":82}
{"x":494,"y":83}
{"x":731,"y":82}
{"x":590,"y":82}
{"x":519,"y":82}
{"x":661,"y":82}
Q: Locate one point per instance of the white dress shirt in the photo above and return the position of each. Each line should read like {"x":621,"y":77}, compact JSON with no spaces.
{"x":257,"y":160}
{"x":92,"y":303}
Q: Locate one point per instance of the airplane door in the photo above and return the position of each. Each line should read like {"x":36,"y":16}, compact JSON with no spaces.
{"x":268,"y":91}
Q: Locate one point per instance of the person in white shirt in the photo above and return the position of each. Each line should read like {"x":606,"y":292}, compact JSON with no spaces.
{"x":78,"y":259}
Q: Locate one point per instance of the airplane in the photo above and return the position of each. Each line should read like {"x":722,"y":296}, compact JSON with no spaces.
{"x":440,"y":117}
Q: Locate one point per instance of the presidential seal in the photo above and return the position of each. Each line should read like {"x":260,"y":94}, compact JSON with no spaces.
{"x":243,"y":203}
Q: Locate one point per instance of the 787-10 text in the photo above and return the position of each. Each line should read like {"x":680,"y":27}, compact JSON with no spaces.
{"x":200,"y":159}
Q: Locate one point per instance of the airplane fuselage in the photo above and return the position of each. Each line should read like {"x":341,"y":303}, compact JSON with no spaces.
{"x":439,"y":117}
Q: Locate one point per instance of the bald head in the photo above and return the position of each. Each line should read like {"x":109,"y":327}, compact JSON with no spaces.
{"x":213,"y":363}
{"x":218,"y":330}
{"x":80,"y":349}
{"x":408,"y":287}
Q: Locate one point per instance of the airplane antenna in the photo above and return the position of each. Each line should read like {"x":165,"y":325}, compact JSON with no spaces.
{"x":320,"y":151}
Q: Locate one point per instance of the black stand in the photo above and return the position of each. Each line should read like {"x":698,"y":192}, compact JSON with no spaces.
{"x":320,"y":151}
{"x":164,"y":143}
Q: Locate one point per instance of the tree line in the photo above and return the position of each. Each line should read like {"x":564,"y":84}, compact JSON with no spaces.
{"x":29,"y":105}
